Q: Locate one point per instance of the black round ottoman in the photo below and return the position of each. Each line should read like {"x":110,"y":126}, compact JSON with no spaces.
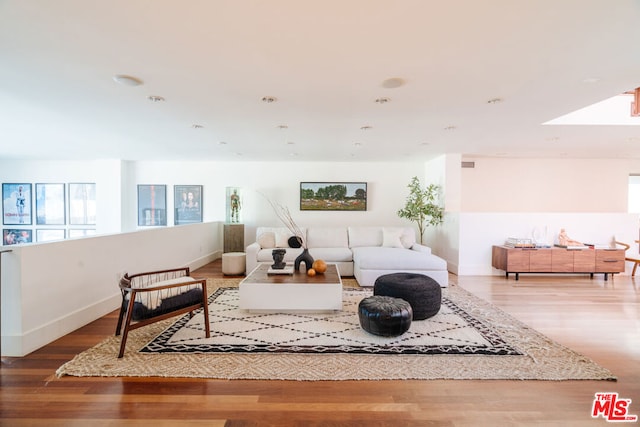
{"x":385,"y":316}
{"x":422,"y":292}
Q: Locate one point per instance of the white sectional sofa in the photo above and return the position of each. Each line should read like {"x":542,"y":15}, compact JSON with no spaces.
{"x":363,"y":252}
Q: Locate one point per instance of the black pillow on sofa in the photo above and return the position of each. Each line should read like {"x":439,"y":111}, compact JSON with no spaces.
{"x":294,"y":242}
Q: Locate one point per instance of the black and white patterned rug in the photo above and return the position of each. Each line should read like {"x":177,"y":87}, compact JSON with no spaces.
{"x":451,"y":331}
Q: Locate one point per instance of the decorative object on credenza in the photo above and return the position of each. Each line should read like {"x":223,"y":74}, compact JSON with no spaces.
{"x":333,"y":196}
{"x":567,"y":242}
{"x":421,"y":206}
{"x":306,"y":258}
{"x":278,"y":258}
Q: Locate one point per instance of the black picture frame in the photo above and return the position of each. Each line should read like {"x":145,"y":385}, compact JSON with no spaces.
{"x":333,"y":196}
{"x":50,"y":204}
{"x":16,"y":204}
{"x":152,"y":205}
{"x":82,"y":203}
{"x":187,"y":204}
{"x":16,"y":236}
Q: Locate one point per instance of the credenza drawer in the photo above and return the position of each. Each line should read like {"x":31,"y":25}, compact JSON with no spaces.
{"x":609,"y":261}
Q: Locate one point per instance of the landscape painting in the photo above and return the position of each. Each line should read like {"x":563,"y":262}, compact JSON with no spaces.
{"x":333,"y":196}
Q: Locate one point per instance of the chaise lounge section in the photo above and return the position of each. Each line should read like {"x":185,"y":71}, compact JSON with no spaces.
{"x":363,"y":252}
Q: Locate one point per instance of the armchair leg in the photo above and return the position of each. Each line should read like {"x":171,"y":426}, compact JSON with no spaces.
{"x":125,"y":333}
{"x":120,"y":317}
{"x":633,"y":273}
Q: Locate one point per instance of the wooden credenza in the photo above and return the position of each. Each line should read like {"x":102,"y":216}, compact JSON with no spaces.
{"x":557,"y":260}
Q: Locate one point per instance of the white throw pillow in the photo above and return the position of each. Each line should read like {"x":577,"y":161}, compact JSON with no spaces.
{"x":267,"y":240}
{"x":282,"y":238}
{"x":391,"y":238}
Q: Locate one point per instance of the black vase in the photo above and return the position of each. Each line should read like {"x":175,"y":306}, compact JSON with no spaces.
{"x":305,"y":257}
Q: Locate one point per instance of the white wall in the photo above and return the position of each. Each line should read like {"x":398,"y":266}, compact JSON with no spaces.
{"x":546,"y":185}
{"x":51,"y":289}
{"x":280,"y":182}
{"x":504,"y":198}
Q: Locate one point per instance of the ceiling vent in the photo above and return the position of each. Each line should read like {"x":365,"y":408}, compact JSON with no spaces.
{"x":468,"y":165}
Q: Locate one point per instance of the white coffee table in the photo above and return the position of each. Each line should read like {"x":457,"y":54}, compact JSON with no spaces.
{"x":296,"y":292}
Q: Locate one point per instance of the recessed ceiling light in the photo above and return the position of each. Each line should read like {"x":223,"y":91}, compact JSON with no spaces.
{"x":155,"y":98}
{"x":222,"y":143}
{"x":358,"y":144}
{"x":291,"y":143}
{"x":424,"y":143}
{"x":269,"y":99}
{"x":450,"y":128}
{"x":393,"y":83}
{"x":382,"y":100}
{"x":127,"y":80}
{"x":590,"y":80}
{"x":553,"y":139}
{"x":283,"y":127}
{"x":366,"y":127}
{"x":495,"y":101}
{"x":195,"y":126}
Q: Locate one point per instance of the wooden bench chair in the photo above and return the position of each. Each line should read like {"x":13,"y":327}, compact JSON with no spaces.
{"x":157,"y":295}
{"x":635,"y":259}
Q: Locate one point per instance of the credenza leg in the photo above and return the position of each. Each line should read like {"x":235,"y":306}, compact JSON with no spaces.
{"x":517,"y":276}
{"x":606,"y":276}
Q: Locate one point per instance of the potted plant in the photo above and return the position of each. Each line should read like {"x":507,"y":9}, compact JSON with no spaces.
{"x":421,"y":206}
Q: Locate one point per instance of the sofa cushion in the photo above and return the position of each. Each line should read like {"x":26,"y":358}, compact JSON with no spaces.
{"x":379,"y":258}
{"x":327,"y":237}
{"x":391,"y":238}
{"x":365,"y":236}
{"x":332,"y":254}
{"x":280,"y":236}
{"x":267,"y":240}
{"x":407,"y":235}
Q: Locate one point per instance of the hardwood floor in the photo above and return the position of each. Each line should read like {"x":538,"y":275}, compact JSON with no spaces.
{"x":596,"y":318}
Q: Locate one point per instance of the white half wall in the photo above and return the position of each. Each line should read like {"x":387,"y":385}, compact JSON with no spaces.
{"x":51,"y":289}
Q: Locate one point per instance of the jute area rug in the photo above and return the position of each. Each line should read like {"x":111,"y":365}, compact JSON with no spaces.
{"x":468,"y":339}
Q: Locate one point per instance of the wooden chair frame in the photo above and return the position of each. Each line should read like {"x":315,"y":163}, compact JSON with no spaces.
{"x":141,"y":285}
{"x":635,"y":261}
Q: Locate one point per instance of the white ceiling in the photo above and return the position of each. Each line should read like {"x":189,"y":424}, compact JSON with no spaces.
{"x":325,"y":61}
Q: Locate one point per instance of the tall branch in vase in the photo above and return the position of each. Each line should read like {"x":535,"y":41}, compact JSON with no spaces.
{"x":285,"y":217}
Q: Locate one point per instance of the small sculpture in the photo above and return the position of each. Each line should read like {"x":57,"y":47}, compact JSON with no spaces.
{"x":565,"y":240}
{"x":235,"y":206}
{"x":278,"y":257}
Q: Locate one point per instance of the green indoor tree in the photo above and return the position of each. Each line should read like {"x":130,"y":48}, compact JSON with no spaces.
{"x":421,"y":206}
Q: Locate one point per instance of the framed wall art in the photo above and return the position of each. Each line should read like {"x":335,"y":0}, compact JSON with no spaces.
{"x":333,"y":196}
{"x":152,"y":205}
{"x":82,"y":203}
{"x":74,"y":233}
{"x":49,"y":235}
{"x":187,"y":204}
{"x":16,"y":204}
{"x":16,"y":236}
{"x":50,"y":207}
